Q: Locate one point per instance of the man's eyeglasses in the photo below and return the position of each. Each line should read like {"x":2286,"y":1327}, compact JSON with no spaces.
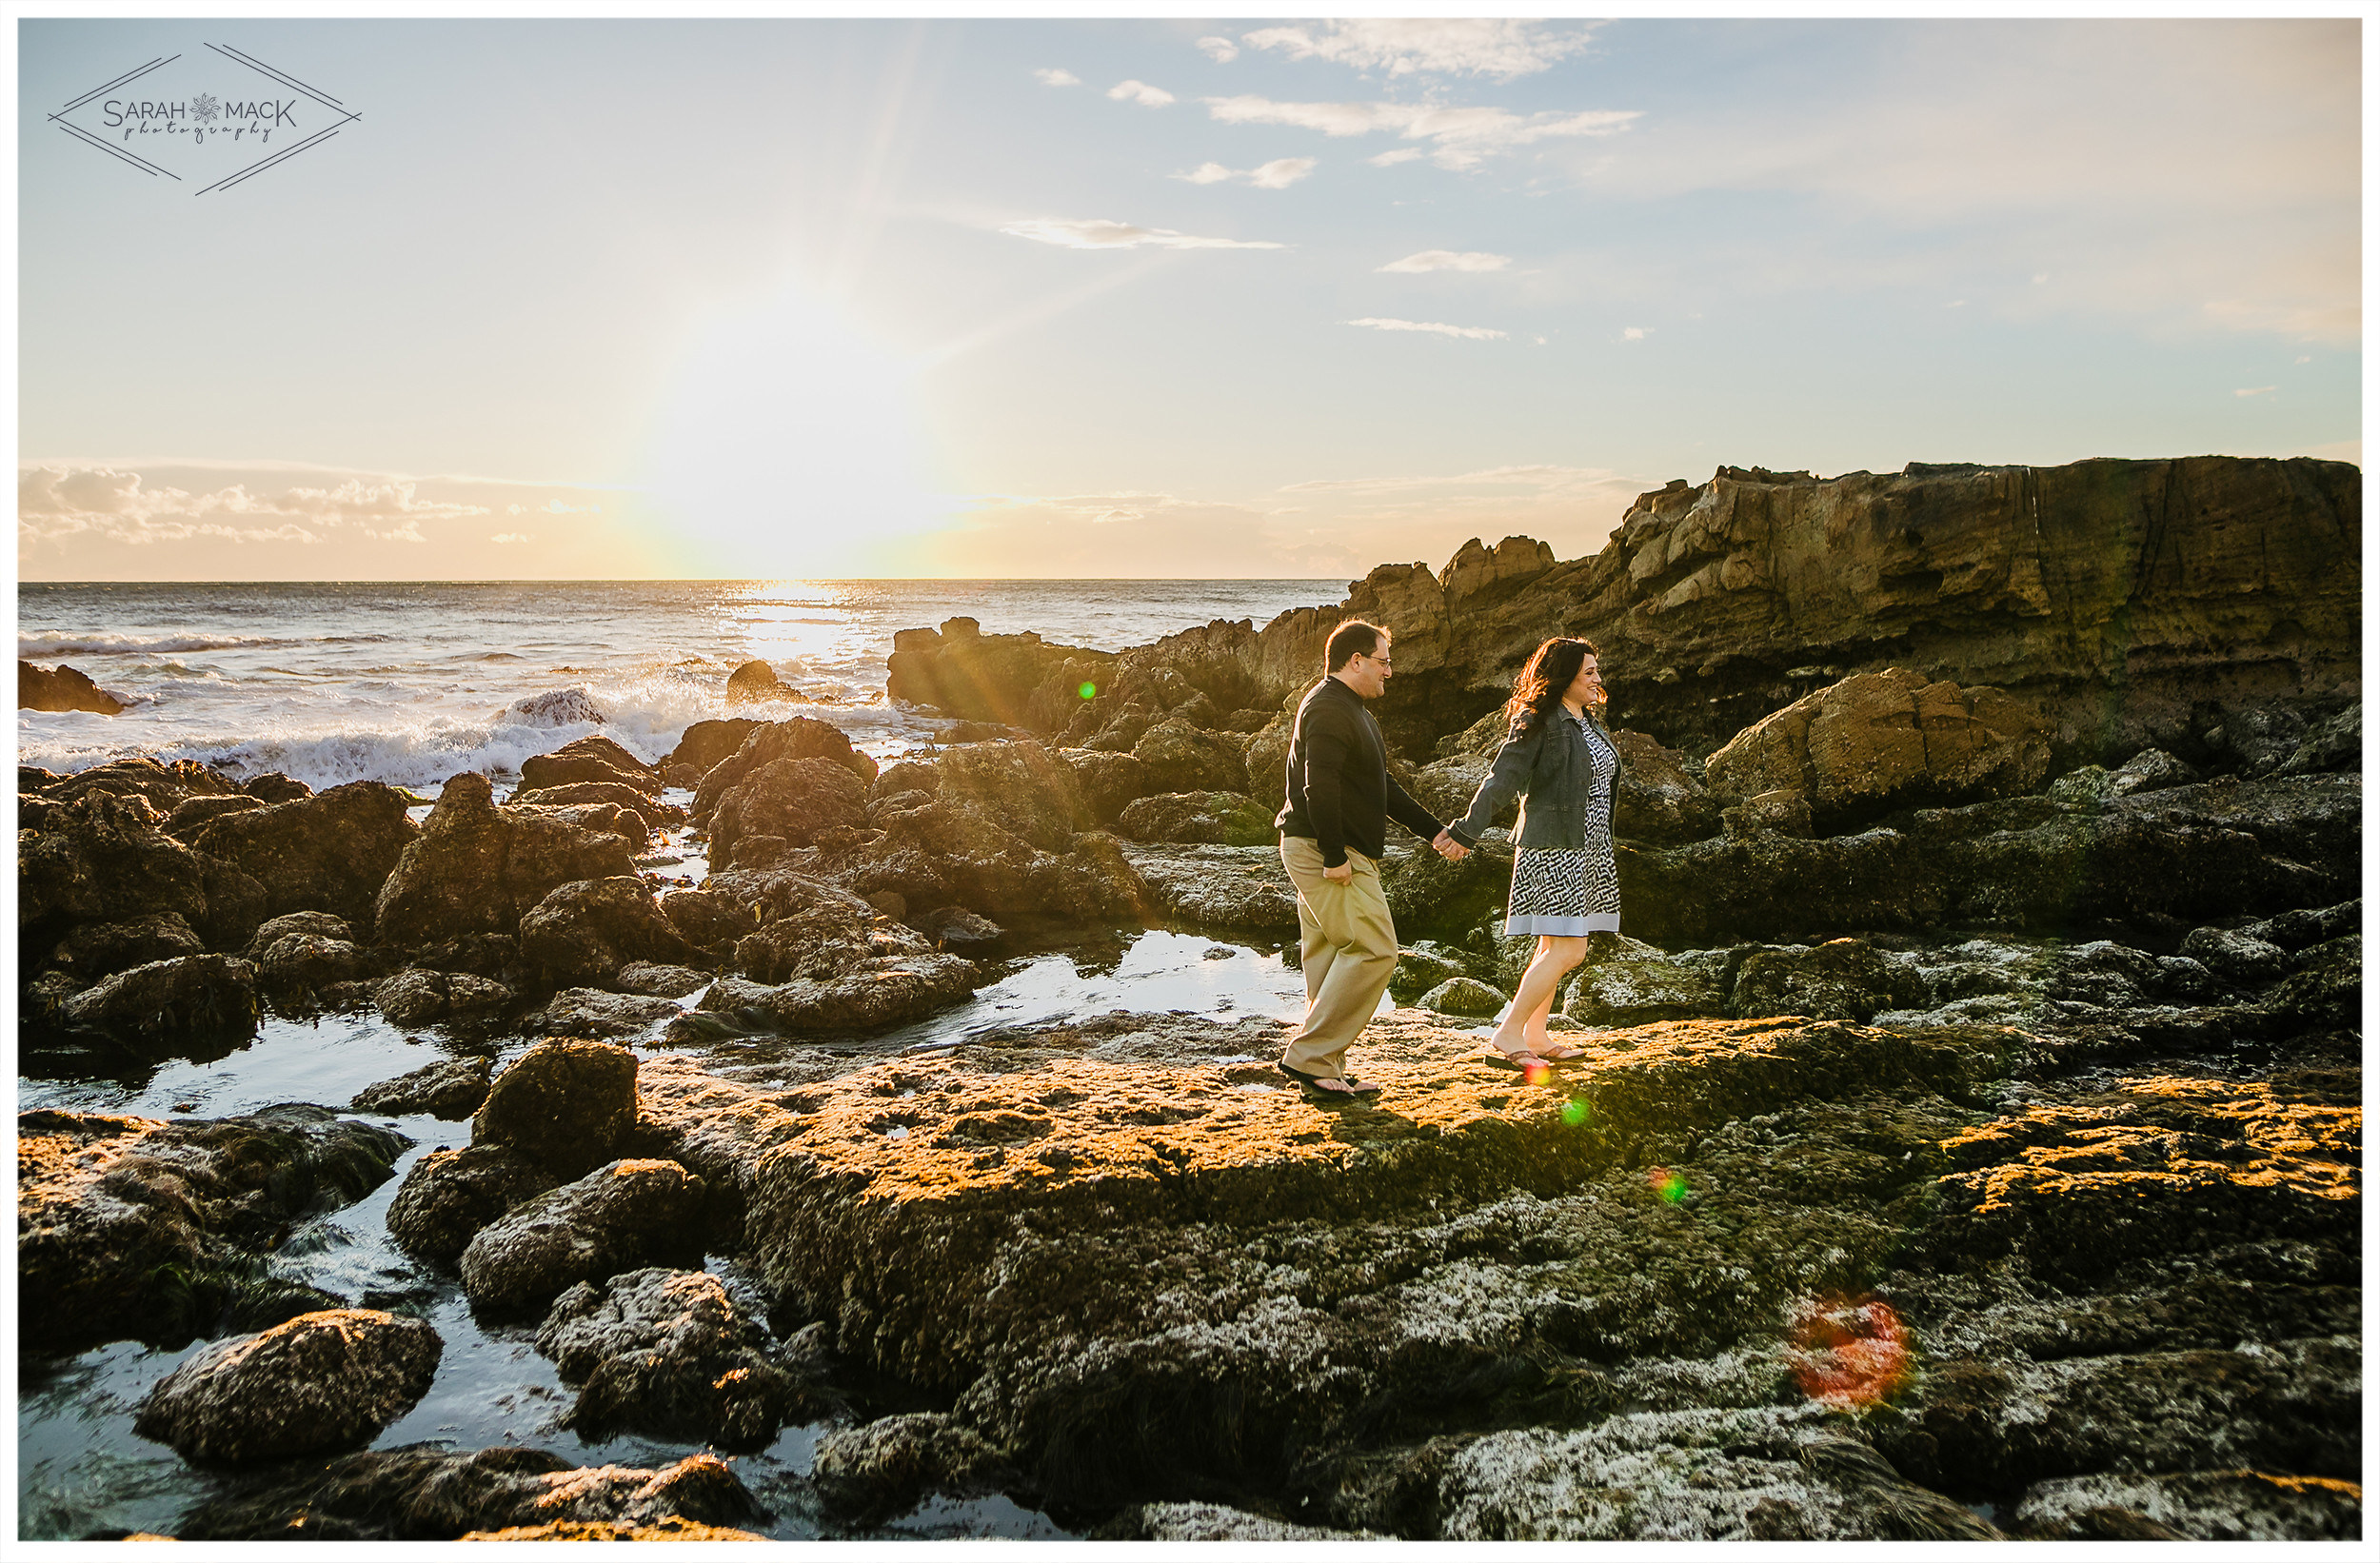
{"x":1382,"y":661}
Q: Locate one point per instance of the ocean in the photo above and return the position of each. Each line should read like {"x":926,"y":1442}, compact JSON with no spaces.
{"x":409,"y":683}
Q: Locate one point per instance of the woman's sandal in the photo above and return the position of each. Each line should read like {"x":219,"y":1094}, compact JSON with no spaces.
{"x":1502,"y":1059}
{"x":1560,"y":1052}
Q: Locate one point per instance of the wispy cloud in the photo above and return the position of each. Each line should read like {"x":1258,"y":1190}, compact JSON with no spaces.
{"x":1479,"y":333}
{"x":1635,"y":333}
{"x":2257,"y":390}
{"x":1221,"y":50}
{"x":509,"y":536}
{"x":1140,"y":93}
{"x":1390,"y":159}
{"x":1405,"y":45}
{"x":54,"y":502}
{"x":1276,"y":175}
{"x":1054,"y":76}
{"x":1449,"y":260}
{"x":1462,"y":136}
{"x":1101,"y":234}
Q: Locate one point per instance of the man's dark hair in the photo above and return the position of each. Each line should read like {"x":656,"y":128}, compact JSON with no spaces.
{"x":1352,"y":639}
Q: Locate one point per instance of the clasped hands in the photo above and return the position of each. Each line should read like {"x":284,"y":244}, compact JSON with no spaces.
{"x":1449,"y":848}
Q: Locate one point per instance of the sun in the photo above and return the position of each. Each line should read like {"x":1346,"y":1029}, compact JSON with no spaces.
{"x":787,"y":445}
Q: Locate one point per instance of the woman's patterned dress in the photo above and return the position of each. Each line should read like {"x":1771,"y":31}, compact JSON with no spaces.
{"x":1568,"y":893}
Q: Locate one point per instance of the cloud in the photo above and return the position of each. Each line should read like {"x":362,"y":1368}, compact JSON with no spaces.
{"x":1474,"y":332}
{"x":1276,"y":175}
{"x":1449,"y":260}
{"x":1405,"y":45}
{"x":2257,"y":390}
{"x":1635,"y":333}
{"x":1390,"y":159}
{"x":1052,"y":77}
{"x":1221,"y":50}
{"x":1140,"y":93}
{"x":1463,"y":136}
{"x":1099,"y":233}
{"x":511,"y":537}
{"x":119,"y":507}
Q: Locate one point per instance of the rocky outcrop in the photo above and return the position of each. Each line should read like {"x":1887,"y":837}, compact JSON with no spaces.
{"x":625,"y":1215}
{"x":1880,"y":740}
{"x":319,"y":1382}
{"x":61,"y":688}
{"x":566,"y":1105}
{"x":193,"y":815}
{"x":476,"y":868}
{"x":589,"y":758}
{"x":666,"y":1354}
{"x":798,"y":737}
{"x":2132,"y":602}
{"x":424,"y":1494}
{"x":126,"y":1225}
{"x":585,"y":931}
{"x":327,"y":853}
{"x":593,"y":1012}
{"x":601,"y":794}
{"x":92,"y":950}
{"x":791,"y":802}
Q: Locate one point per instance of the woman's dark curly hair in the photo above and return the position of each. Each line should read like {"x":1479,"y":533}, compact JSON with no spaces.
{"x":1550,"y":670}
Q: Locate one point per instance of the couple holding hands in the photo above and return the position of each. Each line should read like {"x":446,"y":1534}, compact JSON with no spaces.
{"x":1555,"y":756}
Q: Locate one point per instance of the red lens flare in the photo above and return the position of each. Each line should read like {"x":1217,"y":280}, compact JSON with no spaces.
{"x":1849,"y":1352}
{"x":1670,"y":1186}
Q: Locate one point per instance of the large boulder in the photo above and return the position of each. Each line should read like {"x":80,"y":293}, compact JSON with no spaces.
{"x":831,"y":936}
{"x":585,"y":931}
{"x":203,"y":1001}
{"x":92,"y":950}
{"x":594,"y":1012}
{"x":625,"y":1215}
{"x":451,"y":1089}
{"x":884,"y":991}
{"x":321,"y":1381}
{"x":615,"y":794}
{"x":755,"y":682}
{"x":450,"y":1194}
{"x":1218,"y":818}
{"x":1878,"y":740}
{"x":193,"y":815}
{"x":102,"y":858}
{"x":163,"y":785}
{"x":795,"y":801}
{"x":476,"y":868}
{"x":61,"y":688}
{"x":1108,"y":780}
{"x":1657,"y":797}
{"x":667,"y":1354}
{"x":589,"y":758}
{"x":1028,"y":790}
{"x":132,"y":1228}
{"x":419,"y":995}
{"x":705,"y":744}
{"x":565,"y":1104}
{"x":798,"y":738}
{"x":1179,"y":757}
{"x":1841,"y":979}
{"x":989,"y":677}
{"x":327,"y":853}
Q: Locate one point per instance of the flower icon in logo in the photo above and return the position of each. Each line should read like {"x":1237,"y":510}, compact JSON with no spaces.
{"x":203,"y":107}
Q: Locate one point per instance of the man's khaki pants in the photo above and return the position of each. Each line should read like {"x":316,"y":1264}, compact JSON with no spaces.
{"x":1348,"y":946}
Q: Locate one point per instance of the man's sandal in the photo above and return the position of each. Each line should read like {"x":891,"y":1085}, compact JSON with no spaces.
{"x":1346,"y":1086}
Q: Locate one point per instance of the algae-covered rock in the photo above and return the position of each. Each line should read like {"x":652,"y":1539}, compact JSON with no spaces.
{"x":1464,"y":996}
{"x":452,"y":1088}
{"x":203,"y":1002}
{"x":416,"y":996}
{"x":330,"y":852}
{"x":588,"y":929}
{"x":667,"y":1354}
{"x":424,"y":1493}
{"x":321,"y":1381}
{"x":449,"y":1195}
{"x":1218,"y":818}
{"x":122,"y":1220}
{"x":625,"y":1215}
{"x":476,"y":868}
{"x":565,"y":1104}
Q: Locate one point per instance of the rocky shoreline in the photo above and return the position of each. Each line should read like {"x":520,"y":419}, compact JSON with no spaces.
{"x":1967,"y":1143}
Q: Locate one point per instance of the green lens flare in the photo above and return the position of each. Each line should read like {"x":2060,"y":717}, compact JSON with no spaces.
{"x":1088,"y":689}
{"x":1575,"y":1112}
{"x":1669,"y":1186}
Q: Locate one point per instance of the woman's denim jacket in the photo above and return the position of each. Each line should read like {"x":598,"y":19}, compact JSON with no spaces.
{"x":1549,"y":767}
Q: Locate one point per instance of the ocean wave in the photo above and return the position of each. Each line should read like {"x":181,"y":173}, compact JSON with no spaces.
{"x":105,"y":644}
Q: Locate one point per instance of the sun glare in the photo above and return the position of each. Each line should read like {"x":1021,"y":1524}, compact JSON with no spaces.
{"x":787,"y":445}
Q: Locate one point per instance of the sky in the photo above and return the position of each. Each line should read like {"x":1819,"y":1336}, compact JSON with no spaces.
{"x":1126,"y":298}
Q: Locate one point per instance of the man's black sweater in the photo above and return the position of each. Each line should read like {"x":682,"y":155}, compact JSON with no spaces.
{"x":1340,"y":793}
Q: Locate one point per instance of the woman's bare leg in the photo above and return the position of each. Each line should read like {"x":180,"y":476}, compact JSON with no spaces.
{"x":1525,"y":1019}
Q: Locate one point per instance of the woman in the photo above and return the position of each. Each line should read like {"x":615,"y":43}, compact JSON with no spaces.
{"x":1559,"y":758}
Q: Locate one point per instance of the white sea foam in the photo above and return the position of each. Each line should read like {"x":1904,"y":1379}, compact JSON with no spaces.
{"x":104,"y":644}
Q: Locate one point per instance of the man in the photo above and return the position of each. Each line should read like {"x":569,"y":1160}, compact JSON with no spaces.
{"x":1334,"y":829}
